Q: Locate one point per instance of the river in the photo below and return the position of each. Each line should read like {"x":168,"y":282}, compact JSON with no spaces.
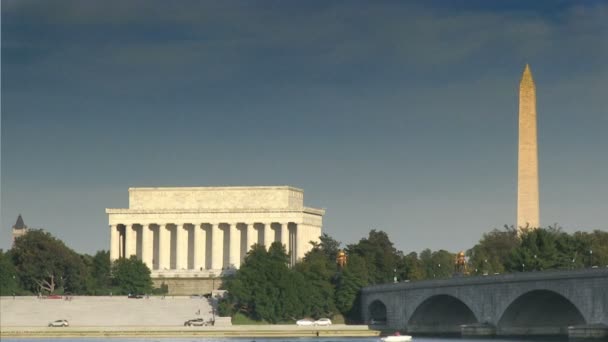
{"x":319,"y":339}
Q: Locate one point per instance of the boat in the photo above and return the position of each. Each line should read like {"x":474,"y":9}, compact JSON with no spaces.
{"x":397,"y":338}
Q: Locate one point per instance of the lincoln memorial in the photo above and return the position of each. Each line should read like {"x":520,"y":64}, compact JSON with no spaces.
{"x":197,"y":231}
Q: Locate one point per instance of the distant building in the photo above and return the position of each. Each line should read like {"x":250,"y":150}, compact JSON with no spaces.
{"x":203,"y":231}
{"x":19,"y":229}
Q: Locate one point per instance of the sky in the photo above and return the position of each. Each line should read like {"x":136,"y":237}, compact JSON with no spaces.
{"x":399,"y":116}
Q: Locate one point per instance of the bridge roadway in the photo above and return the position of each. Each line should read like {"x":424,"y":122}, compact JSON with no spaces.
{"x":531,"y":303}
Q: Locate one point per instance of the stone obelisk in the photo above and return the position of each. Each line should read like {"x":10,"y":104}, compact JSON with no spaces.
{"x":527,"y":156}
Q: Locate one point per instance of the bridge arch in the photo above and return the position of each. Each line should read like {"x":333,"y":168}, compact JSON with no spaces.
{"x":440,"y":314}
{"x":539,"y":312}
{"x":377,"y":311}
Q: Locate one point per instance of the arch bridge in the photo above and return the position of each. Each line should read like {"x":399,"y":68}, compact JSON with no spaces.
{"x":534,"y":303}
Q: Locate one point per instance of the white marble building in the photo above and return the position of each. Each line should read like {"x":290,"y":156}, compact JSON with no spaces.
{"x":202,"y":231}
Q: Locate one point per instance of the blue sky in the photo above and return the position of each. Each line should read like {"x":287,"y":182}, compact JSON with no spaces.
{"x":399,"y":116}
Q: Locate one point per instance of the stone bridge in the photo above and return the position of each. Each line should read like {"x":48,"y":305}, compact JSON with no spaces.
{"x":534,"y":303}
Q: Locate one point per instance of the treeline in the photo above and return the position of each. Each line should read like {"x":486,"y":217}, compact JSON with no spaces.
{"x":266,"y":289}
{"x":41,"y":264}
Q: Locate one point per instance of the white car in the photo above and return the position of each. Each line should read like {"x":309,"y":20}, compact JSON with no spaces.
{"x":305,"y":322}
{"x":323,"y":321}
{"x":59,"y":323}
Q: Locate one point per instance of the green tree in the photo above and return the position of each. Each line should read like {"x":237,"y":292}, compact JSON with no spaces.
{"x":101,"y":271}
{"x":380,"y":256}
{"x":411,"y":268}
{"x":264,"y":288}
{"x":328,"y":246}
{"x":590,"y":249}
{"x":319,"y":272}
{"x":131,"y":276}
{"x":490,"y":254}
{"x":8,"y":276}
{"x":46,"y":264}
{"x":348,"y":288}
{"x":542,"y":249}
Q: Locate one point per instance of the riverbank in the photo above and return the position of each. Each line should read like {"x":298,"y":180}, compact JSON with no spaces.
{"x":338,"y":330}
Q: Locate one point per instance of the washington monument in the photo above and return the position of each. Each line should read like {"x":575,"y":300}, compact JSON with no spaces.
{"x":527,"y":156}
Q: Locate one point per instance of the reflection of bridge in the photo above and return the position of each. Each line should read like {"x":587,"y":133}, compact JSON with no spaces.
{"x":512,"y":304}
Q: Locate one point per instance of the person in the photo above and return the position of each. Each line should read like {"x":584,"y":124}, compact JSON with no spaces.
{"x":397,"y":333}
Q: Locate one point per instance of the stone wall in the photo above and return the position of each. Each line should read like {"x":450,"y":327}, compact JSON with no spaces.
{"x":188,"y":286}
{"x":103,"y":311}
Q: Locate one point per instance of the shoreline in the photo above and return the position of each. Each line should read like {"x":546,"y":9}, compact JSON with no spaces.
{"x":177,"y":331}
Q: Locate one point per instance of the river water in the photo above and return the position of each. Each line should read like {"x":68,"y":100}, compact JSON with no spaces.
{"x":303,"y":339}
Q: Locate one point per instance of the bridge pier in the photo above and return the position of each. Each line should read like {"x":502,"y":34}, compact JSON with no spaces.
{"x":478,"y":330}
{"x":434,"y":329}
{"x":588,"y":332}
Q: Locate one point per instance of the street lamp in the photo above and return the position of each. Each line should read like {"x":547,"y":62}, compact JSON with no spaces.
{"x":590,"y":258}
{"x":394,"y":275}
{"x":573,"y":260}
{"x":523,"y":267}
{"x":439,"y":269}
{"x":535,"y":263}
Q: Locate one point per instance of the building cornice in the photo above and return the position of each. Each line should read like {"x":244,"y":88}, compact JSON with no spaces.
{"x":306,"y":210}
{"x":217,"y":188}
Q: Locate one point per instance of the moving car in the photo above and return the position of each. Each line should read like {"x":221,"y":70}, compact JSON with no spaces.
{"x":134,"y":296}
{"x":59,"y":323}
{"x":323,"y":321}
{"x":197,"y":322}
{"x":305,"y":322}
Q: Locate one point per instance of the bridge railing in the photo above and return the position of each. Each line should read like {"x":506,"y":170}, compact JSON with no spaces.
{"x":491,"y":279}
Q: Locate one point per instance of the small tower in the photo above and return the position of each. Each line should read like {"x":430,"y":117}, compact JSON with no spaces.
{"x":19,"y":229}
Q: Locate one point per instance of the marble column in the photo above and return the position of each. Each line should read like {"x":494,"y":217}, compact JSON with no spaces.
{"x":146,"y":246}
{"x":235,"y":247}
{"x":163,"y":247}
{"x":114,"y":243}
{"x":121,"y":244}
{"x":181,"y":253}
{"x":200,"y":242}
{"x":285,"y":236}
{"x":268,"y":235}
{"x":130,"y":240}
{"x":300,"y":241}
{"x":217,"y":247}
{"x":252,"y":237}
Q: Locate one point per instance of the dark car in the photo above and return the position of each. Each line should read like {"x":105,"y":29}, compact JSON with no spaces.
{"x":136,"y":296}
{"x":196,"y":322}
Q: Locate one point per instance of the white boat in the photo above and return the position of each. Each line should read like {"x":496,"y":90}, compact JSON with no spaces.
{"x":397,"y":338}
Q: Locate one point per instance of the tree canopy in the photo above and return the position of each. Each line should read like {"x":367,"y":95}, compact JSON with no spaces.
{"x":46,"y":265}
{"x":8,"y":276}
{"x":266,"y":288}
{"x":131,"y":276}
